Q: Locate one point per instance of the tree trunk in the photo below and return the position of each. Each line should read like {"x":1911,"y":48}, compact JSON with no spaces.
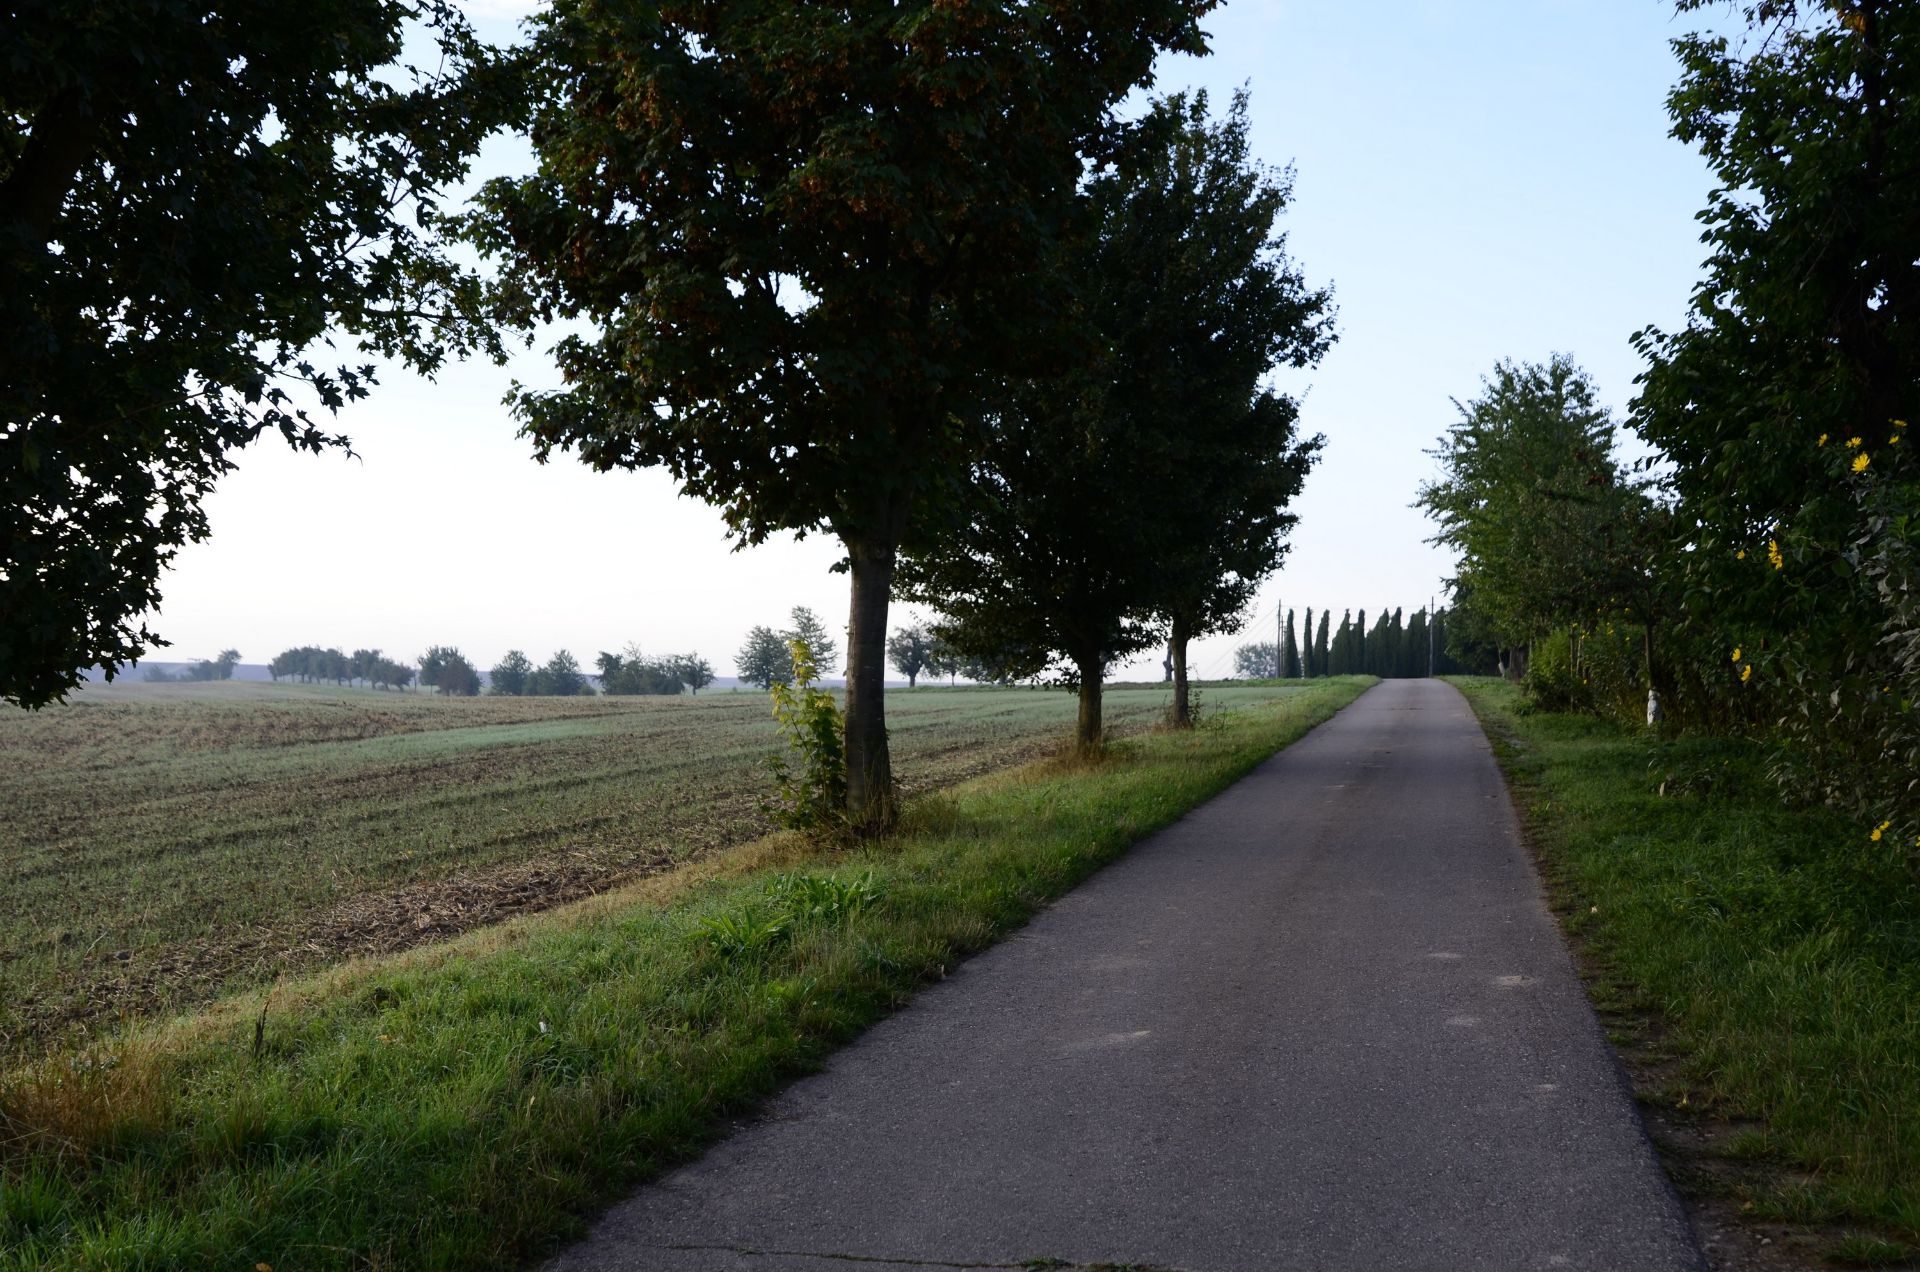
{"x":870,"y":809}
{"x":1182,"y":716}
{"x":1088,"y":732}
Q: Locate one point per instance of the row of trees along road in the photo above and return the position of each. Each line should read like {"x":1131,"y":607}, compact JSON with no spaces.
{"x":823,"y":266}
{"x":1760,"y":570}
{"x":1141,"y":494}
{"x":1396,"y":648}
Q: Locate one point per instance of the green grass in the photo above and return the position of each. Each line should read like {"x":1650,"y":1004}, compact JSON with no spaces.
{"x":166,"y":843}
{"x":1779,"y":948}
{"x":471,"y":1104}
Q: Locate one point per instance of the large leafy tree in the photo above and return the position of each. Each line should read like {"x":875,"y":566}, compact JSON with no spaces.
{"x":193,"y":194}
{"x":1547,"y":522}
{"x":1210,"y":305}
{"x":804,"y":239}
{"x":1150,"y":483}
{"x":1783,"y":404}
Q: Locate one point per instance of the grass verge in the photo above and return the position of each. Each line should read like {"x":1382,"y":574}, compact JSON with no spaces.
{"x":1770,"y":956}
{"x":471,"y":1104}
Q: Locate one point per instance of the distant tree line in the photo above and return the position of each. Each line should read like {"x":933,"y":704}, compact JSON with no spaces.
{"x":220,"y":668}
{"x":1397,"y":647}
{"x":311,"y":664}
{"x":446,"y":670}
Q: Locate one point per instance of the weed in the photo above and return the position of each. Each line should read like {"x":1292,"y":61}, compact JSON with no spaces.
{"x":811,"y":786}
{"x":1859,"y":1250}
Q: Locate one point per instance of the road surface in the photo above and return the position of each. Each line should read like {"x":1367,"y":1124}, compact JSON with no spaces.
{"x":1323,"y":1022}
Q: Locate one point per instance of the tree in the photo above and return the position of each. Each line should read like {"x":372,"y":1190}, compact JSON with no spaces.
{"x":1256,"y":661}
{"x":509,"y":675}
{"x":1290,"y":668}
{"x":1309,"y":667}
{"x":1320,"y":654}
{"x":442,"y":667}
{"x":910,"y":649}
{"x":1550,"y":530}
{"x":942,"y":658}
{"x":192,"y":197}
{"x":808,"y":627}
{"x":559,"y":678}
{"x":764,"y":659}
{"x":458,"y":678}
{"x":1197,"y":303}
{"x":694,"y":671}
{"x":1188,"y":301}
{"x":1783,"y":406}
{"x":807,"y":243}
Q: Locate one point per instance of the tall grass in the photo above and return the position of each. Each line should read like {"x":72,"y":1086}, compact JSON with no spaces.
{"x":472,"y":1104}
{"x":1779,"y":945}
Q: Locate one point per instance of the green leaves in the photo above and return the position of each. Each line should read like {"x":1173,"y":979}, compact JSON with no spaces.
{"x":191,"y":197}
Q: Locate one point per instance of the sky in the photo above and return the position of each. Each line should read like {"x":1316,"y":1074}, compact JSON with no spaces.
{"x":1478,"y":180}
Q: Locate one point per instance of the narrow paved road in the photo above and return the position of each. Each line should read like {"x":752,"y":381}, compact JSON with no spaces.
{"x":1323,"y":1022}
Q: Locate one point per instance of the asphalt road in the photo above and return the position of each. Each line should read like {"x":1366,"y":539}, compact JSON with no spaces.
{"x":1323,"y":1022}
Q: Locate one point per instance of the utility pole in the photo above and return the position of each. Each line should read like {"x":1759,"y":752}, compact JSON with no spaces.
{"x":1433,"y":616}
{"x":1279,"y":640}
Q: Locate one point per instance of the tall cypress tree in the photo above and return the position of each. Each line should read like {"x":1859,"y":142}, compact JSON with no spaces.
{"x":1290,"y":654}
{"x":1308,"y":666}
{"x":1320,"y":642}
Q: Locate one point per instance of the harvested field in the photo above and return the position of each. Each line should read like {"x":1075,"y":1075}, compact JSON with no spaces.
{"x":161,"y":844}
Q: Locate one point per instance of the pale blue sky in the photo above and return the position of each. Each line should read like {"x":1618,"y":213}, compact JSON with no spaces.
{"x":1479,"y":180}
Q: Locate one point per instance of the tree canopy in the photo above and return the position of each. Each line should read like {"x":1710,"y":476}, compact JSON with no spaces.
{"x":1148,"y":483}
{"x":803,"y":242}
{"x":191,"y":198}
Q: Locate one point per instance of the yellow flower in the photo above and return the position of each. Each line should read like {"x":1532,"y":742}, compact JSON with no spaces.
{"x":1879,"y":830}
{"x":1894,"y":440}
{"x":1746,"y":671}
{"x":1736,"y":654}
{"x":1773,"y":555}
{"x":1741,"y":555}
{"x":1852,"y":442}
{"x":1861,"y":461}
{"x":1899,"y":423}
{"x":1822,"y":441}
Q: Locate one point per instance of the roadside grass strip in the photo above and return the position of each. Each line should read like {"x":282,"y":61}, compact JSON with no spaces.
{"x":472,"y":1104}
{"x":1778,"y":949}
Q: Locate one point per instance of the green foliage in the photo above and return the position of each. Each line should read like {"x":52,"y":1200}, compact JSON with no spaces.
{"x":1552,"y":681}
{"x":193,"y":198}
{"x":910,"y":650}
{"x":1257,"y":661}
{"x":446,"y":669}
{"x":1782,"y":404}
{"x":559,"y":678}
{"x":312,"y":664}
{"x":811,"y":781}
{"x":510,"y":675}
{"x":635,"y":673}
{"x":1550,"y":530}
{"x":1188,"y":302}
{"x":824,"y":900}
{"x":800,"y":247}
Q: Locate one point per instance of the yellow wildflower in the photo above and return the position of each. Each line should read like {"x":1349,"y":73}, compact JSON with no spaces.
{"x":1736,"y":654}
{"x":1745,"y":671}
{"x":1879,"y":830}
{"x":1853,"y":443}
{"x":1822,"y":441}
{"x":1899,"y":423}
{"x":1861,"y":461}
{"x":1741,"y":555}
{"x":1773,"y":555}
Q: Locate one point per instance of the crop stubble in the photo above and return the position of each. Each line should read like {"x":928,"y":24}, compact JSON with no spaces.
{"x":161,"y":845}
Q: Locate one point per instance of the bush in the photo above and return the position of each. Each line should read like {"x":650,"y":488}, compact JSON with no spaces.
{"x":811,"y":780}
